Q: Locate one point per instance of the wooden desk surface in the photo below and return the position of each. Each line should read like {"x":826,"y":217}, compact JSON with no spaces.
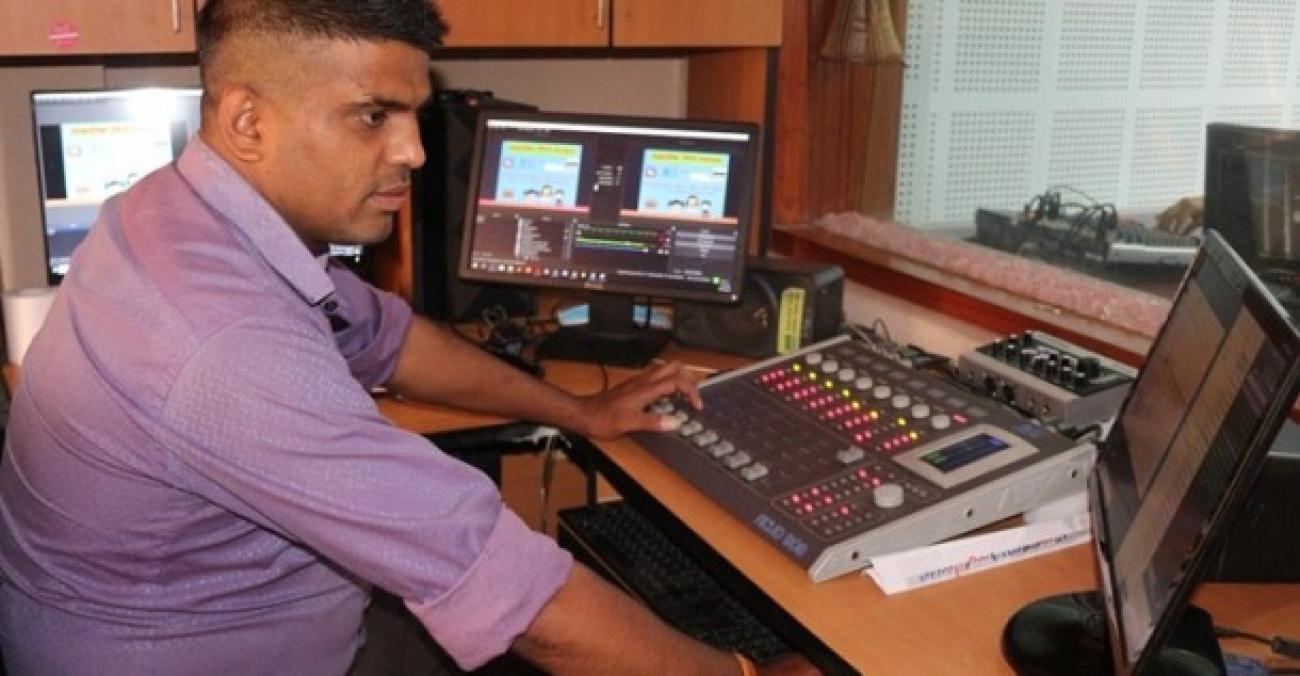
{"x":952,"y":627}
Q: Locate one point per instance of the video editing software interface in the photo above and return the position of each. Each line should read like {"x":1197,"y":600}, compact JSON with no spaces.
{"x":652,"y":207}
{"x":1215,"y":387}
{"x":91,"y":145}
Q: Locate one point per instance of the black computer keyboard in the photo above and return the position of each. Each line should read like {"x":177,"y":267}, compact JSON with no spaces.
{"x":620,"y":543}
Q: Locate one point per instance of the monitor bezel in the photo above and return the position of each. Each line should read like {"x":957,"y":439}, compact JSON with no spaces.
{"x":51,"y":277}
{"x":745,"y":204}
{"x":1223,"y":138}
{"x":1274,"y":322}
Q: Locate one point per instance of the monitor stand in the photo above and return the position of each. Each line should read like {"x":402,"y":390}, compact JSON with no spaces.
{"x":1066,"y":635}
{"x":611,"y":336}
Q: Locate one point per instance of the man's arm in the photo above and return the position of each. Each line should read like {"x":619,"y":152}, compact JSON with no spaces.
{"x":436,"y":365}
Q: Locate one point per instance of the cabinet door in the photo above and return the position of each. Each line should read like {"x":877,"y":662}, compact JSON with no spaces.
{"x":97,"y":27}
{"x":697,"y":23}
{"x":526,"y":23}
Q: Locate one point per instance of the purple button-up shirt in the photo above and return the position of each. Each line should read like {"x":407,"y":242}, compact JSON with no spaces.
{"x":196,"y":479}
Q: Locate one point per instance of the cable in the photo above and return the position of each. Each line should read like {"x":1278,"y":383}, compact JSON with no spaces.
{"x":1281,"y":645}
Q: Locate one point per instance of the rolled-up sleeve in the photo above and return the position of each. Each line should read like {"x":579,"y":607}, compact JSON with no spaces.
{"x":284,"y":436}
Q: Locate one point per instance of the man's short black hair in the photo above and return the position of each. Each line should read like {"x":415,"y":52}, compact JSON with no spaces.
{"x":415,"y":22}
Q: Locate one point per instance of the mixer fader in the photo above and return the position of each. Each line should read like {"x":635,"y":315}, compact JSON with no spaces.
{"x":837,"y":454}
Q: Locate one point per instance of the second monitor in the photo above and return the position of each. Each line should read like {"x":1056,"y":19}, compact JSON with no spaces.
{"x":616,"y":207}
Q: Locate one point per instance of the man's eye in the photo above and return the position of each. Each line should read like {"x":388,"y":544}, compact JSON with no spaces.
{"x":374,"y":118}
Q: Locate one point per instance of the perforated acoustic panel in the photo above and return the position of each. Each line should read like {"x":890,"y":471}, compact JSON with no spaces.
{"x":1004,"y":98}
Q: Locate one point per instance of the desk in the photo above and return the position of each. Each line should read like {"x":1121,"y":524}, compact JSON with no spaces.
{"x":953,"y":627}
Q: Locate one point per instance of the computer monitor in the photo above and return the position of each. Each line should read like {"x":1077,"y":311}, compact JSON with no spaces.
{"x":91,"y":145}
{"x":1177,"y":467}
{"x":615,"y":207}
{"x":1252,"y":196}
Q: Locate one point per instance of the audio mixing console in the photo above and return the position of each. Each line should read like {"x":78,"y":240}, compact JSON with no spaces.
{"x":836,"y":454}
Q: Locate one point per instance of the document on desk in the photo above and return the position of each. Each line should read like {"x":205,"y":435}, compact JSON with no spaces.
{"x":924,"y":566}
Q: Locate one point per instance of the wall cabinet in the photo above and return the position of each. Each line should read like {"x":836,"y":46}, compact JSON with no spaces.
{"x":57,"y":27}
{"x":612,"y":23}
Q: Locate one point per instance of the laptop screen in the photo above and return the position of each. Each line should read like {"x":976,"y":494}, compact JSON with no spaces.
{"x":1188,"y":443}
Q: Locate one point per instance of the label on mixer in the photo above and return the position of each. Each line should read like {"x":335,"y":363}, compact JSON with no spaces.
{"x":789,"y":326}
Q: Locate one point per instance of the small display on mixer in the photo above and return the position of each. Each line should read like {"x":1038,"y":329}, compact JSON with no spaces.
{"x":964,"y":452}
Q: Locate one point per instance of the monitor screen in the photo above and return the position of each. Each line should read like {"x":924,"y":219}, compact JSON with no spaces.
{"x":1252,"y":194}
{"x":1187,"y":445}
{"x":91,"y":145}
{"x":660,"y":208}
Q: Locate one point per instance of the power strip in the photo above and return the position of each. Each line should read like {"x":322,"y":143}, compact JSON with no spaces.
{"x":1048,"y":378}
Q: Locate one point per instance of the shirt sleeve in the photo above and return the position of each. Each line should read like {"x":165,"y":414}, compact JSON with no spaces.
{"x":269,"y":423}
{"x":373,"y":327}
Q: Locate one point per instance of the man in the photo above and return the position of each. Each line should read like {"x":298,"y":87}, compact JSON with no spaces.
{"x":197,"y":480}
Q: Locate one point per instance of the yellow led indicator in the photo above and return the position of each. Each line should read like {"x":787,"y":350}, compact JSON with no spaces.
{"x":829,"y":385}
{"x":846,"y":393}
{"x":902,"y":422}
{"x":914,"y":435}
{"x":797,"y":367}
{"x":875,"y":415}
{"x":857,"y":405}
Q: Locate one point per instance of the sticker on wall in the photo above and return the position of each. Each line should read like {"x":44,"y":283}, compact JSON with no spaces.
{"x":63,"y":34}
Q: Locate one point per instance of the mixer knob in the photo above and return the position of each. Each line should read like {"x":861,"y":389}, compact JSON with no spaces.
{"x":888,"y":496}
{"x":705,"y":438}
{"x":920,"y":410}
{"x":1081,"y":380}
{"x":662,"y":407}
{"x":1066,"y":375}
{"x":737,"y":460}
{"x":1090,"y":366}
{"x":830,"y":366}
{"x":941,"y":421}
{"x":677,"y":418}
{"x":863,"y":383}
{"x":813,"y":358}
{"x":722,"y":448}
{"x":901,"y":401}
{"x":690,"y":428}
{"x":850,"y":455}
{"x":1027,"y":357}
{"x":754,"y":472}
{"x":1027,"y":338}
{"x":881,"y":392}
{"x":847,"y":375}
{"x":1010,"y":349}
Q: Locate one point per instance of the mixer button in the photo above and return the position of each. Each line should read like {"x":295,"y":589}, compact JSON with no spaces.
{"x":662,"y":407}
{"x":690,"y":428}
{"x":941,"y":421}
{"x":888,"y":496}
{"x":920,"y":410}
{"x":722,"y":448}
{"x":754,"y":472}
{"x":737,"y":460}
{"x":850,"y":455}
{"x":680,"y":417}
{"x":863,"y":383}
{"x":847,"y":375}
{"x":705,"y":438}
{"x":882,"y":392}
{"x":830,"y":366}
{"x":901,"y":401}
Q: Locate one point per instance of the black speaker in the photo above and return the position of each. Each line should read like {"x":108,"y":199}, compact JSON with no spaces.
{"x":1263,"y":544}
{"x":439,"y":196}
{"x":785,"y":304}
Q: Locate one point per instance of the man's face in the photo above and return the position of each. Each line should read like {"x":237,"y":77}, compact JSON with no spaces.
{"x":342,"y":138}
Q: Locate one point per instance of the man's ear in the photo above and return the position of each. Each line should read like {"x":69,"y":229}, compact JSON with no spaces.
{"x":240,"y":122}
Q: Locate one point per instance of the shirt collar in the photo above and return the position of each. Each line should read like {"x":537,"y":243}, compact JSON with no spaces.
{"x":225,"y":191}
